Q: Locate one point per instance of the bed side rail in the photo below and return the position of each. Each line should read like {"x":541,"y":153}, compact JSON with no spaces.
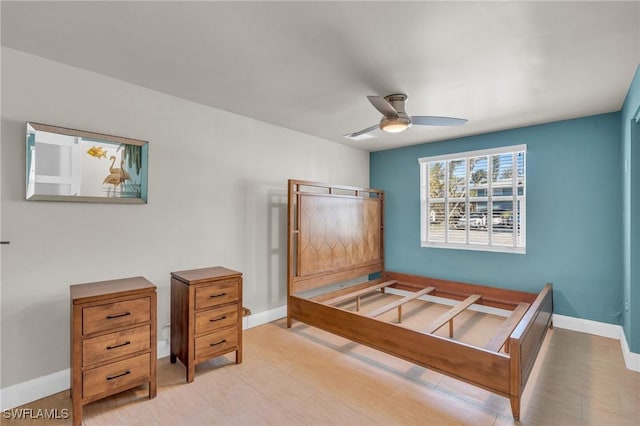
{"x":478,"y":366}
{"x":491,"y":296}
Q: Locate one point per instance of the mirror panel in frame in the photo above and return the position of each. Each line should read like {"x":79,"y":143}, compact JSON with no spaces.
{"x":74,"y":165}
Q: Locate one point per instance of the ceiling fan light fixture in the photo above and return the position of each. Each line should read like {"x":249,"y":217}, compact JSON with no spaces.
{"x":395,"y":124}
{"x":395,"y":118}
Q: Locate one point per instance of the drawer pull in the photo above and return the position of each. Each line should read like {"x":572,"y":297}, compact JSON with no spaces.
{"x":117,"y":346}
{"x":118,"y":375}
{"x":219,"y":343}
{"x":217,"y":295}
{"x":124,"y":314}
{"x":218,"y":319}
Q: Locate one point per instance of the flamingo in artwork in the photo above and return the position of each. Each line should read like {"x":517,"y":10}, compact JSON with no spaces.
{"x":123,"y":173}
{"x":117,"y":175}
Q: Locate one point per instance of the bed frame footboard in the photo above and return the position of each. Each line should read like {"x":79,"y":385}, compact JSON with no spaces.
{"x":525,"y":342}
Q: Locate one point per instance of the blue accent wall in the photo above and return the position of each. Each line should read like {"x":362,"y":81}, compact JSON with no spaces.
{"x":631,"y":207}
{"x":574,"y":237}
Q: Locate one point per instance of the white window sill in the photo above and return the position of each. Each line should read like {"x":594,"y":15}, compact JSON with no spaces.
{"x":475,"y":247}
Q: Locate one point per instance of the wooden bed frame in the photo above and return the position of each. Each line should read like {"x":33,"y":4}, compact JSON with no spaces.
{"x":335,"y":234}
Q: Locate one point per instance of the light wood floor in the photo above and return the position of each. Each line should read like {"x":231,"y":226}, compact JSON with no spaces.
{"x":304,"y":376}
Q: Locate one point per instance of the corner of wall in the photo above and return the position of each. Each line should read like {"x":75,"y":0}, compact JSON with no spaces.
{"x":631,"y":359}
{"x":630,"y":158}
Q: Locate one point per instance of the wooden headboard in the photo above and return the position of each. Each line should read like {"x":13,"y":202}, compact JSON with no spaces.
{"x":335,"y":233}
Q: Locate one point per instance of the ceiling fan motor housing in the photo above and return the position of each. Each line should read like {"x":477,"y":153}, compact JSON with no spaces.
{"x":401,"y":121}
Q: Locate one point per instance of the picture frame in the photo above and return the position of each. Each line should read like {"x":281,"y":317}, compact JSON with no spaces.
{"x":64,"y":164}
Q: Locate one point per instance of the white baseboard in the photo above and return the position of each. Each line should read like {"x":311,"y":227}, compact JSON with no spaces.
{"x":32,"y":390}
{"x":41,"y":387}
{"x":264,"y":317}
{"x":631,"y":359}
{"x":163,"y":349}
{"x":612,"y":331}
{"x":601,"y":329}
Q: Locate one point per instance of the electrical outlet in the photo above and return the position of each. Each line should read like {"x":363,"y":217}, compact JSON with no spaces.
{"x":166,"y":332}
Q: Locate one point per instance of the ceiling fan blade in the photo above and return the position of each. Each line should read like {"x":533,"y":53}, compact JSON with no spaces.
{"x":361,"y":132}
{"x":429,"y":120}
{"x":382,"y":105}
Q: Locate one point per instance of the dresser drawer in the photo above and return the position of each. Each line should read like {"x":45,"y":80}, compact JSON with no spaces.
{"x":217,"y":294}
{"x":216,"y":319}
{"x":216,"y":343}
{"x":114,"y":345}
{"x":121,"y":374}
{"x":113,"y":315}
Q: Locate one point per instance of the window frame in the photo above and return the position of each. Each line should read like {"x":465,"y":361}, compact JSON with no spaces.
{"x":518,"y":201}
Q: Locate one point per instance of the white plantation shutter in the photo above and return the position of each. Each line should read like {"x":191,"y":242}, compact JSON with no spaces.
{"x":474,"y":200}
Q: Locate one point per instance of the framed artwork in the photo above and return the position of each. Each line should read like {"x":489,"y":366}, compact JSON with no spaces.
{"x":75,"y":165}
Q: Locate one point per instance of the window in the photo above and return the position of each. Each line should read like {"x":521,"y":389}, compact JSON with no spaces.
{"x":474,"y":200}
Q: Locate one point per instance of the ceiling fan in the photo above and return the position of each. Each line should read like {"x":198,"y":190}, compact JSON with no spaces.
{"x":395,"y":119}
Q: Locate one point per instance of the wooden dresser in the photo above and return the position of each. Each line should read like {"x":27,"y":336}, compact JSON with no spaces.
{"x":206,"y":315}
{"x":113,"y":339}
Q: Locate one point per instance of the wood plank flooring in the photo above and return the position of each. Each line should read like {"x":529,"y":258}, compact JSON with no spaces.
{"x":304,"y":376}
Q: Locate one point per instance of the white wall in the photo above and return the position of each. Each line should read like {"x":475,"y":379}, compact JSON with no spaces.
{"x":217,"y":196}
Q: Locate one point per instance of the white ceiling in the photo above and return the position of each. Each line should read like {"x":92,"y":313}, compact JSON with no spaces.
{"x":309,"y":66}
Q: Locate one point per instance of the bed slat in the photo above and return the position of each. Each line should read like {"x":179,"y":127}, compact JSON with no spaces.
{"x":343,"y":290}
{"x":381,"y":310}
{"x":507,"y":328}
{"x":451,"y":314}
{"x":358,"y":293}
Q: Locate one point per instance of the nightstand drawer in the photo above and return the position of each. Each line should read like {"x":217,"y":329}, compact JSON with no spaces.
{"x":216,"y":319}
{"x":217,"y":294}
{"x":121,"y":374}
{"x":216,"y":343}
{"x":114,"y":315}
{"x":113,"y":345}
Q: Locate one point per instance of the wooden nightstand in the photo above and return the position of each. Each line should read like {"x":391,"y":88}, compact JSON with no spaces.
{"x":113,"y":339}
{"x":206,"y":315}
